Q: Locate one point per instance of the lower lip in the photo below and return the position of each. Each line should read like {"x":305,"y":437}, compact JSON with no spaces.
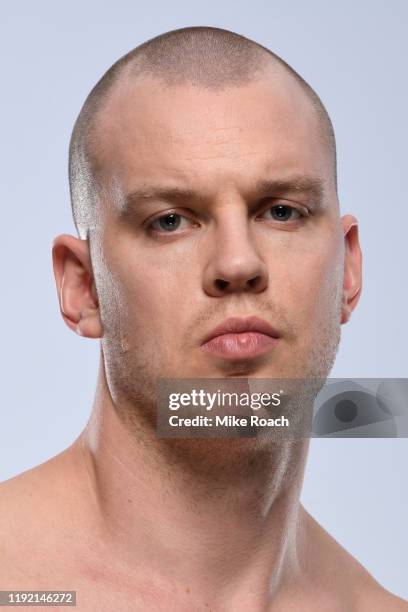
{"x":240,"y":346}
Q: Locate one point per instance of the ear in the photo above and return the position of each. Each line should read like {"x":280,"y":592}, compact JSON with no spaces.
{"x":352,"y":280}
{"x":75,"y":285}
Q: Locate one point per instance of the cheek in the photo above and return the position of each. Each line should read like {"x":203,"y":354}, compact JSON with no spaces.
{"x":312,"y":281}
{"x":143,"y":298}
{"x":152,"y":298}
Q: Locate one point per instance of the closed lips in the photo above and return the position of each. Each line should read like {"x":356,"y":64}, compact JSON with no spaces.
{"x":238,"y":325}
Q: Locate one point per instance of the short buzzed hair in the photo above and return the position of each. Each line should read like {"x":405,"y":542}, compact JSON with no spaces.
{"x":205,"y":57}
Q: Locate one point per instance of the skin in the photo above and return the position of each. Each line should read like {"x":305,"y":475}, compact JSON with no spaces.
{"x":135,"y":522}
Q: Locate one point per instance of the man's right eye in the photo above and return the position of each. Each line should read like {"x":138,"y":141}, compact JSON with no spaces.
{"x":167,"y":223}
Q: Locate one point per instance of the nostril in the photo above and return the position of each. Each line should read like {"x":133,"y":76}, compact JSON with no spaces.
{"x":221,"y":284}
{"x":253,"y":282}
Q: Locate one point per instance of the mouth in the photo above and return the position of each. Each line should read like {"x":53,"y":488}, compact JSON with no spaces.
{"x":239,"y":338}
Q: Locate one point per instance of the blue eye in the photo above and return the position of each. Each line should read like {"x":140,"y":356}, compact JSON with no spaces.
{"x":168,"y":223}
{"x":282,"y":212}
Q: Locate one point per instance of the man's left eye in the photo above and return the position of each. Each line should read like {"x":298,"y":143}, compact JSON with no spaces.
{"x":283,"y":212}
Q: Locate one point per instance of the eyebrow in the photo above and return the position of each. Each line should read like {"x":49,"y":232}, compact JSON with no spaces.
{"x":299,"y":184}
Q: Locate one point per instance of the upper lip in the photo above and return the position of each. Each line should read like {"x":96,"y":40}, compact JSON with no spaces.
{"x":236,"y":325}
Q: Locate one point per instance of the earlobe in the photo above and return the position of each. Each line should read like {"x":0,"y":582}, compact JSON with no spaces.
{"x":89,"y":324}
{"x":75,"y":286}
{"x":349,"y":303}
{"x":352,"y":281}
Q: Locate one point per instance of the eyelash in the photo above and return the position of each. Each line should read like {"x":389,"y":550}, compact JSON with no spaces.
{"x":161,"y":231}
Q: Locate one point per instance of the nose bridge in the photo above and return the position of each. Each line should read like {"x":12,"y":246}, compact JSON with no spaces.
{"x":234,"y":263}
{"x":233,"y":245}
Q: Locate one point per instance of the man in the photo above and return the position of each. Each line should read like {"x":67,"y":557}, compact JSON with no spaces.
{"x":202,"y":173}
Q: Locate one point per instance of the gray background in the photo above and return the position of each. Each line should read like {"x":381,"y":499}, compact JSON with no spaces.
{"x":354,"y":55}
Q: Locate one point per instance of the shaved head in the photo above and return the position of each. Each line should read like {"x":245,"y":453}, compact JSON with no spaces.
{"x":204,"y":57}
{"x":202,"y":173}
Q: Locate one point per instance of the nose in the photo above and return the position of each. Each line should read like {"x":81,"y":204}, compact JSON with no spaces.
{"x":234,"y":265}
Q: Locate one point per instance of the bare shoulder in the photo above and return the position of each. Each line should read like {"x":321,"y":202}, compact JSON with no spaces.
{"x":378,"y":599}
{"x":25,"y":494}
{"x":30,"y":492}
{"x":333,"y":564}
{"x":41,"y":513}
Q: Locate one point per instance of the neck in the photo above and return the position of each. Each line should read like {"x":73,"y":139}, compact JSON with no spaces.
{"x":213,"y":517}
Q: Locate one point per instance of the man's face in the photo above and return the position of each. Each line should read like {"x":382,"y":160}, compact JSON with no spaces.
{"x":228,"y":250}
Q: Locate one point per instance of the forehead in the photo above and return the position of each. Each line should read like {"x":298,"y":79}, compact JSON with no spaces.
{"x":151,"y":132}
